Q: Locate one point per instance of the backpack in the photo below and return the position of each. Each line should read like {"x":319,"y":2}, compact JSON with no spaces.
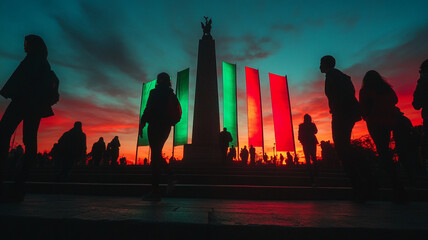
{"x":52,"y":94}
{"x":174,"y":109}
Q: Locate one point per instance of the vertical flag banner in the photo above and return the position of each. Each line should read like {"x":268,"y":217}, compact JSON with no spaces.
{"x":180,"y":129}
{"x":230,"y":109}
{"x":147,"y":87}
{"x":281,"y":110}
{"x":254,"y":108}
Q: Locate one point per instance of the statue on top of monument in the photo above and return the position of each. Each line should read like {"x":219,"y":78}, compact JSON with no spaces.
{"x":206,"y":27}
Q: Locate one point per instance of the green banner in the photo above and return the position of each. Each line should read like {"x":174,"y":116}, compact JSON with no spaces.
{"x":230,"y":110}
{"x":180,"y":129}
{"x":147,"y":87}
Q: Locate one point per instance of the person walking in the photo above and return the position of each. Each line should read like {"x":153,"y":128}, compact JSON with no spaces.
{"x":309,"y":141}
{"x":29,"y":90}
{"x":162,"y":111}
{"x":378,"y":100}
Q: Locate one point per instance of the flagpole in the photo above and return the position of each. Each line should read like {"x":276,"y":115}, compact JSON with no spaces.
{"x":139,"y":126}
{"x":291,"y":118}
{"x":261,"y":112}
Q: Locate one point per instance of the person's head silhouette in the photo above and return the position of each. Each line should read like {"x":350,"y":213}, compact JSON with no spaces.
{"x":163,"y":80}
{"x":373,"y":80}
{"x":307,"y":118}
{"x":424,"y":67}
{"x":225,"y":129}
{"x":327,"y":62}
{"x":34,"y":45}
{"x":78,"y":126}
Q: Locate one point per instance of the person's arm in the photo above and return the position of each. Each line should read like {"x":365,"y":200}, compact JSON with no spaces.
{"x":146,"y":114}
{"x":331,"y":91}
{"x":13,"y":84}
{"x":418,"y":95}
{"x":315,"y":128}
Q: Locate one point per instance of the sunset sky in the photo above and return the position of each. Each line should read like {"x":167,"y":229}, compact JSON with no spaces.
{"x":102,"y":52}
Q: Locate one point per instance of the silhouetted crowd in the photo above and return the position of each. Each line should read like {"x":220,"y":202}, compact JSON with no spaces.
{"x":33,"y":89}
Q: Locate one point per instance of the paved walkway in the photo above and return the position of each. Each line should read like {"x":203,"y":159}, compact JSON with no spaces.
{"x":71,"y":216}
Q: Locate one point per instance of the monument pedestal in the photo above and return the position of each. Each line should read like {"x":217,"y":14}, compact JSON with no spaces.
{"x":198,"y":155}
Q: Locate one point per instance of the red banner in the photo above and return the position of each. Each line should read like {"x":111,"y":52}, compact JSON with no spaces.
{"x":281,"y":110}
{"x":254,"y":108}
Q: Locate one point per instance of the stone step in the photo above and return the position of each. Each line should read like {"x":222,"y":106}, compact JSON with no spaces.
{"x":215,"y":191}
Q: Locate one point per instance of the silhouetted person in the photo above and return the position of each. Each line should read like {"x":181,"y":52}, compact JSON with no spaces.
{"x":113,"y":151}
{"x":407,"y":143}
{"x":252,"y":156}
{"x":309,"y":141}
{"x":244,"y":156}
{"x":345,"y":111}
{"x":329,"y":155}
{"x":378,"y":100}
{"x":72,"y":149}
{"x":97,"y":152}
{"x":420,"y":101}
{"x":225,"y":139}
{"x":265,"y":158}
{"x":289,"y":161}
{"x":296,"y":160}
{"x":122,"y":161}
{"x":28,"y":88}
{"x":232,"y":154}
{"x":162,"y":111}
{"x":281,"y":159}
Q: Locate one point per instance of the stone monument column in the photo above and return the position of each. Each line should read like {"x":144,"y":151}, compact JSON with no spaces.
{"x":205,"y":147}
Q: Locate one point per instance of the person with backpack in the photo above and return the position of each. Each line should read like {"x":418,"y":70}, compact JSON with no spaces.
{"x":31,"y":90}
{"x":162,"y":111}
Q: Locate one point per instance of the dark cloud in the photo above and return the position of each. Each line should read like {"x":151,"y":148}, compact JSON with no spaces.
{"x":245,"y":48}
{"x":100,"y":49}
{"x":399,"y":64}
{"x":110,"y":49}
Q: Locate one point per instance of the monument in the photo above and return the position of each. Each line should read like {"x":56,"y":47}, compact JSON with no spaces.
{"x":205,"y":147}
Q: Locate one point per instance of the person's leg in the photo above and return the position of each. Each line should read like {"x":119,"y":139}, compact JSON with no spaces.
{"x":341,"y":130}
{"x":8,"y":124}
{"x":381,"y":137}
{"x":308,"y":161}
{"x":30,"y":128}
{"x":425,"y":144}
{"x":314,"y":165}
{"x":157,"y":136}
